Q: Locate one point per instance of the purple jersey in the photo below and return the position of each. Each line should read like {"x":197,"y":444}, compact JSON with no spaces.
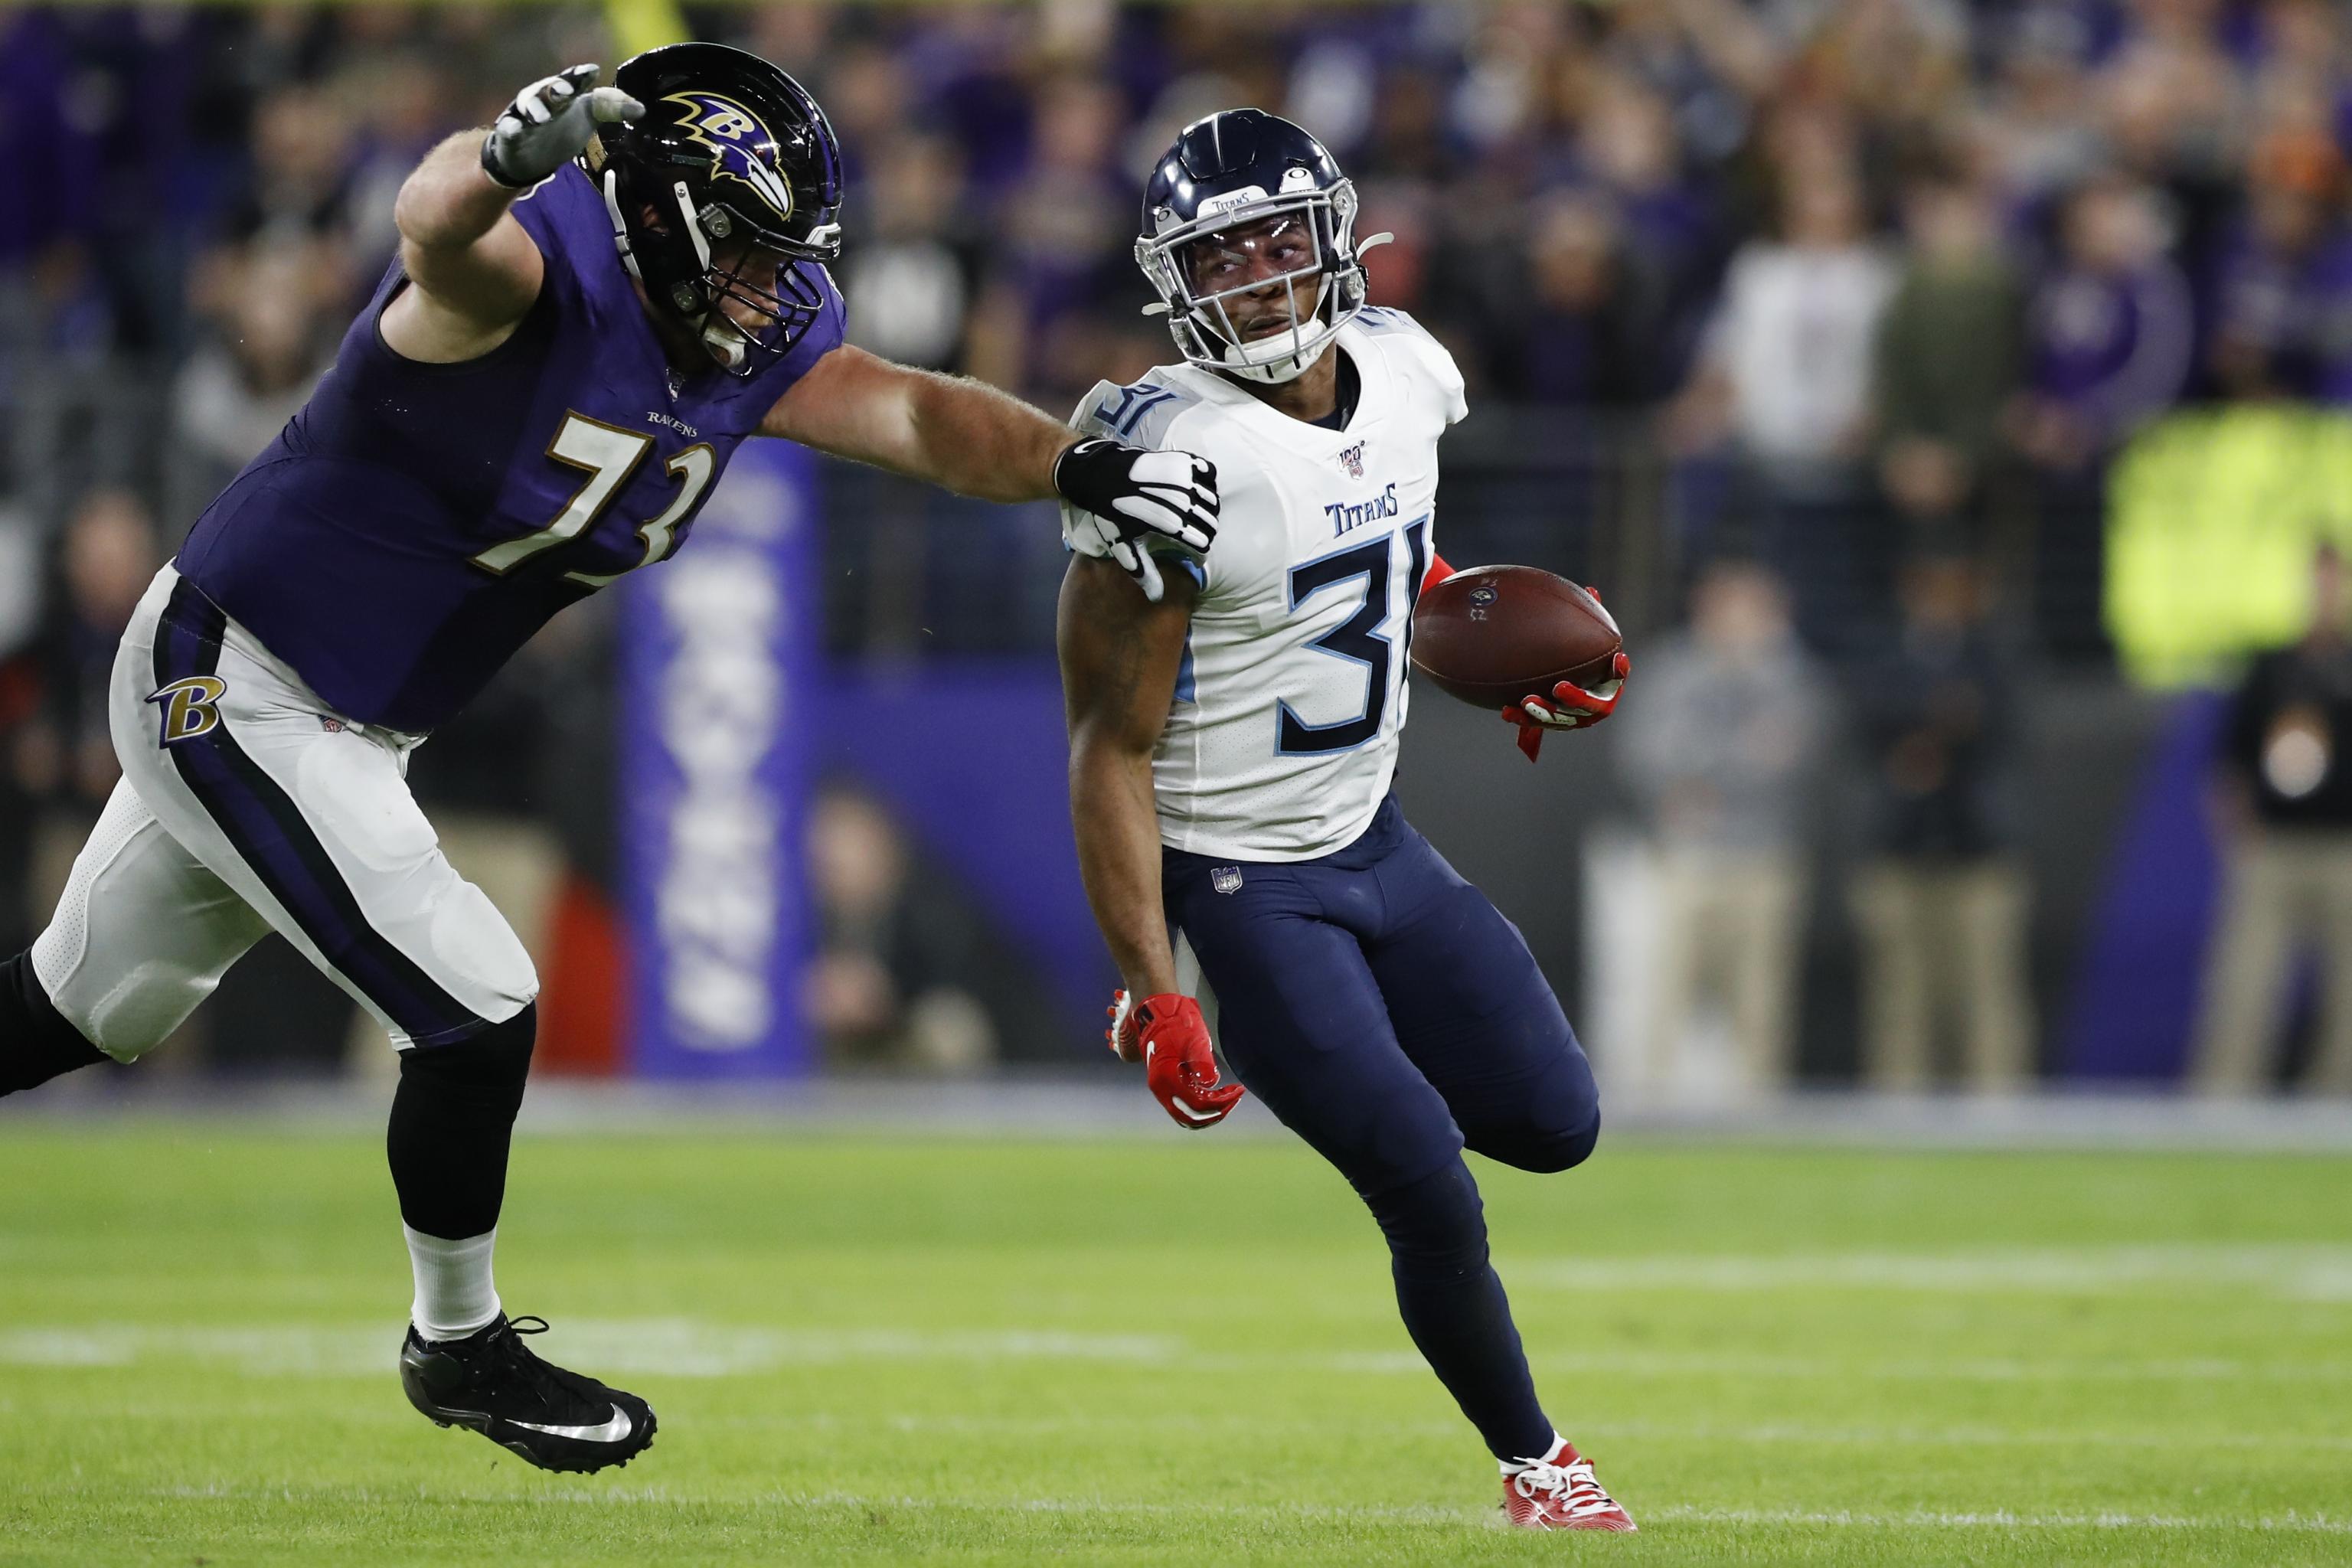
{"x":415,"y":525}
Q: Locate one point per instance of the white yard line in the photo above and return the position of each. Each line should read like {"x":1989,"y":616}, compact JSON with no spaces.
{"x":2313,"y":1272}
{"x":1026,"y":1428}
{"x":673,"y":1347}
{"x":1831,"y":1369}
{"x":664,"y":1497}
{"x":1586,"y":1432}
{"x":689,"y":1348}
{"x":2289,"y":1523}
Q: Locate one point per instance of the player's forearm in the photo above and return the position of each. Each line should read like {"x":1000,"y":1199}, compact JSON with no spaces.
{"x":1117,"y":822}
{"x":1120,"y":657}
{"x":980,"y":442}
{"x":448,"y":202}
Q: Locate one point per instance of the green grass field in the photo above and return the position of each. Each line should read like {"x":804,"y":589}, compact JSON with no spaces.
{"x":1180,"y":1351}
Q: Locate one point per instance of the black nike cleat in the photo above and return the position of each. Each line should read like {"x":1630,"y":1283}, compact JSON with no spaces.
{"x":490,"y":1382}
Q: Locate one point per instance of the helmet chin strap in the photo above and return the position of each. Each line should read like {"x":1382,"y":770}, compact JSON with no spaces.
{"x":719,"y":337}
{"x":1274,"y":372}
{"x":1306,"y":348}
{"x":724,"y":341}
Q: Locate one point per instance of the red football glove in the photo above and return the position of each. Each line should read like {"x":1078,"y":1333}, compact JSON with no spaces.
{"x":1169,"y":1038}
{"x":1570,"y":707}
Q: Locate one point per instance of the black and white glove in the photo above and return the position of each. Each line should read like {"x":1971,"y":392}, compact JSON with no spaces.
{"x":1131,"y":496}
{"x":547,"y":124}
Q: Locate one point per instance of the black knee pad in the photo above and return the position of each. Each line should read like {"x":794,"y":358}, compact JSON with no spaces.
{"x":1436,"y":1226}
{"x":452,"y":1119}
{"x":491,"y":1061}
{"x":37,"y":1043}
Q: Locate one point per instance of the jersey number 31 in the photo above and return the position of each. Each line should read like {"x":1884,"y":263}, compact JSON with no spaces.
{"x":1360,"y":637}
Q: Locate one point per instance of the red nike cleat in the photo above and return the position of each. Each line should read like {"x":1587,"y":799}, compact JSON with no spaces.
{"x":1559,"y":1492}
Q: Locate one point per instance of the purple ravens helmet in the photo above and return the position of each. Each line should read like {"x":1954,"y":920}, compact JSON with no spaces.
{"x":1230,"y":170}
{"x":732,"y":151}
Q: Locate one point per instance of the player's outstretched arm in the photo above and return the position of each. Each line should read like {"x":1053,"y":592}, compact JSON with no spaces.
{"x":947,"y":429}
{"x":476,"y":272}
{"x":978,"y":441}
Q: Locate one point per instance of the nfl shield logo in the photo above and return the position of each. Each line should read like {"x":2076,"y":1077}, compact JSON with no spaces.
{"x":1352,"y":460}
{"x":1226,"y":878}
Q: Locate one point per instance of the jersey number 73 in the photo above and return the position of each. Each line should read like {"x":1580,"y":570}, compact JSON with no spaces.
{"x":609,"y":455}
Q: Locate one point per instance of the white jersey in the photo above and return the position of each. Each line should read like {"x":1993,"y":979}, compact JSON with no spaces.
{"x":1291,"y":698}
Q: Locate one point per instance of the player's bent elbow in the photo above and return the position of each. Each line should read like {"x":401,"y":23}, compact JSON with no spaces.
{"x":427,"y":220}
{"x":1105,"y":751}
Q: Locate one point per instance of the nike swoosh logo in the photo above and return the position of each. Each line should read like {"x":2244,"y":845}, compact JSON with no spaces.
{"x":611,"y":1431}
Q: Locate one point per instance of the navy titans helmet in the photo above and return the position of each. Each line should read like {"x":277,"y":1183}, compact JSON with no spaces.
{"x":1237,"y":169}
{"x":732,"y":150}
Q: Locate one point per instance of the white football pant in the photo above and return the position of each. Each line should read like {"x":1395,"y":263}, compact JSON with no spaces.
{"x":247,"y":805}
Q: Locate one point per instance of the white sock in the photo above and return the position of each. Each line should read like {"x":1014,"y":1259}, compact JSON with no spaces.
{"x":1513,"y":1466}
{"x":453,"y":1292}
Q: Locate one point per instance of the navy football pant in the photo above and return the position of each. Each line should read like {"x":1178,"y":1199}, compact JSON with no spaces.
{"x":1389,"y":1015}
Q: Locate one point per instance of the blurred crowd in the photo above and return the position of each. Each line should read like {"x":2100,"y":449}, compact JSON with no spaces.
{"x":1881,"y":285}
{"x":1775,"y":793}
{"x":1932,"y":234}
{"x":1747,"y":755}
{"x":1866,"y":274}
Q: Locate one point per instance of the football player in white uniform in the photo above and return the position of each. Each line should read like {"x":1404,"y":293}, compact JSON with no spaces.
{"x":1232,"y":749}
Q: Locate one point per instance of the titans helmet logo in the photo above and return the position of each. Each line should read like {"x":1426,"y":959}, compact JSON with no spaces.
{"x":191,"y":707}
{"x":742,"y":149}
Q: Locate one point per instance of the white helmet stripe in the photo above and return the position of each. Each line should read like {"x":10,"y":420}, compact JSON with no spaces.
{"x":612,"y":187}
{"x":693,"y":225}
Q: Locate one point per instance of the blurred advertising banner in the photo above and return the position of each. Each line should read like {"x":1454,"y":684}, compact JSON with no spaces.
{"x":719,"y":674}
{"x":2212,"y":517}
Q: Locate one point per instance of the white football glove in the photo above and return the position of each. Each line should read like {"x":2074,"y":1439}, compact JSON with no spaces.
{"x":1129,"y":496}
{"x":547,"y":124}
{"x":1091,"y":535}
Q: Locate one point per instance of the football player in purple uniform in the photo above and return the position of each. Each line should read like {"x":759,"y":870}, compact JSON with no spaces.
{"x":595,"y":302}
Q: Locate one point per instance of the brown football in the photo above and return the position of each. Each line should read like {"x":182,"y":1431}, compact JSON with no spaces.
{"x":1493,"y":634}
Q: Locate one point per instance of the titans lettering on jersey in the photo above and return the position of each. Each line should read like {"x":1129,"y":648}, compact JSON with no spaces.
{"x":1291,"y":698}
{"x":415,"y":525}
{"x":1348,"y":516}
